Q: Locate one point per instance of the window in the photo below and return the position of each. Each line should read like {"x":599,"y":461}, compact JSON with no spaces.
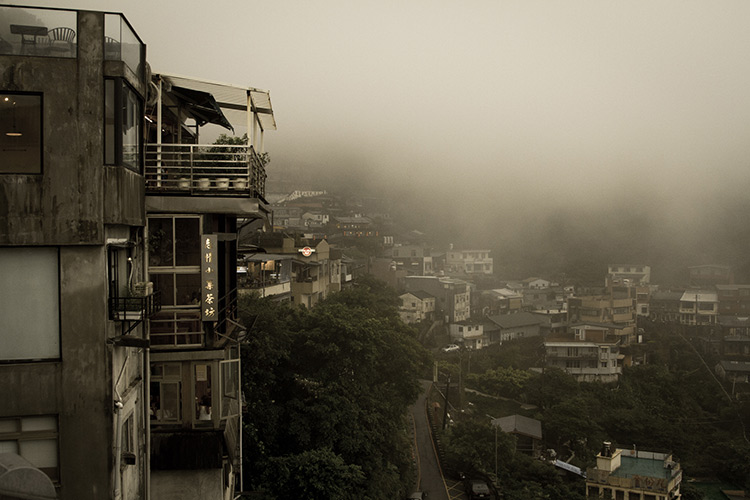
{"x":166,"y":393}
{"x":29,"y":304}
{"x":123,"y":113}
{"x":174,"y":268}
{"x":20,"y":133}
{"x":230,"y":388}
{"x":33,"y":438}
{"x":203,"y":403}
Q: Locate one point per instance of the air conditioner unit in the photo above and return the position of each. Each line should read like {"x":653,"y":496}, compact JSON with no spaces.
{"x":143,"y":288}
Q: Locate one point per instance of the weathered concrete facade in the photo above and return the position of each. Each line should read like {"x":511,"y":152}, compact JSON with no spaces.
{"x":92,"y":390}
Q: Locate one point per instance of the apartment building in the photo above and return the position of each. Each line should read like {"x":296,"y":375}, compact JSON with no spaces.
{"x":589,"y":352}
{"x":699,"y":308}
{"x":74,"y":337}
{"x":315,"y":267}
{"x":622,"y":474}
{"x":452,"y":296}
{"x":468,"y":262}
{"x":611,"y":306}
{"x":630,"y":274}
{"x":118,"y":229}
{"x":734,"y":300}
{"x":416,"y":260}
{"x":195,"y":195}
{"x":416,"y":306}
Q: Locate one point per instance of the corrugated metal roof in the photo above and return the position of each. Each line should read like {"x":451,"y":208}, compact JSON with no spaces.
{"x":232,"y":99}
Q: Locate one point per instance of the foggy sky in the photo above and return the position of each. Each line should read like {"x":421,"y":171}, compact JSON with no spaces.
{"x":512,"y":109}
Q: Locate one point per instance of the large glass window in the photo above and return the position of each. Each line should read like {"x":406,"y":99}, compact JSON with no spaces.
{"x":20,"y":133}
{"x":203,"y":400}
{"x":123,"y":112}
{"x":166,"y":393}
{"x":230,"y":379}
{"x":33,"y":438}
{"x":29,"y":304}
{"x":174,"y":268}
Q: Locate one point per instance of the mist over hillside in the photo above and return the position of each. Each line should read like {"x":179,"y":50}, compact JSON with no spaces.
{"x":568,"y":234}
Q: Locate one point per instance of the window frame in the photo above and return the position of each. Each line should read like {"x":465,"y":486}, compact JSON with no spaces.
{"x":40,"y":95}
{"x":37,"y":435}
{"x":171,"y":311}
{"x":121,"y":89}
{"x":46,"y":357}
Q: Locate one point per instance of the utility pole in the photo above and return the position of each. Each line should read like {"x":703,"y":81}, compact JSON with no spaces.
{"x":445,"y":412}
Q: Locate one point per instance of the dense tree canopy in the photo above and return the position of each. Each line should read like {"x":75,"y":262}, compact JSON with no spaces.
{"x":671,"y":403}
{"x":327,"y":389}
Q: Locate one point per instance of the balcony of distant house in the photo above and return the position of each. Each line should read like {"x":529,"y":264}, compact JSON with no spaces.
{"x":179,"y":162}
{"x":268,"y":275}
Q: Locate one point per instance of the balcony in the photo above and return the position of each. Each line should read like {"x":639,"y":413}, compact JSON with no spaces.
{"x":204,"y":170}
{"x":134,"y":308}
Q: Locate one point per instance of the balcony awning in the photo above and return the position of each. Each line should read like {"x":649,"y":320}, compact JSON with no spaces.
{"x":232,"y":100}
{"x":20,"y":479}
{"x":201,"y":106}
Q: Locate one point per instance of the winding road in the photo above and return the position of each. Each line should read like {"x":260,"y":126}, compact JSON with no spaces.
{"x":429,"y":475}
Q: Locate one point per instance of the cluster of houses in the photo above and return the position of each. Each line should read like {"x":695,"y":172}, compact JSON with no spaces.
{"x":126,"y":241}
{"x":588,"y":332}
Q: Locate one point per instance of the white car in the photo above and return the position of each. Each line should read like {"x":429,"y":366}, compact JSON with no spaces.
{"x":451,"y":348}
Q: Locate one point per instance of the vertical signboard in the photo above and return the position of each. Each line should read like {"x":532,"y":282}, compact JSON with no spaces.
{"x":209,"y":278}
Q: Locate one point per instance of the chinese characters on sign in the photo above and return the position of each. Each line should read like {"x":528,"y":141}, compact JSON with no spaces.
{"x":209,"y":278}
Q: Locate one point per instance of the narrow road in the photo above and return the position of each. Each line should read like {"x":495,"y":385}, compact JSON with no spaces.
{"x":429,"y":476}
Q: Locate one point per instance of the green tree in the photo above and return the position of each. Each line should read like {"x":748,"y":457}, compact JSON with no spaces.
{"x":329,"y":388}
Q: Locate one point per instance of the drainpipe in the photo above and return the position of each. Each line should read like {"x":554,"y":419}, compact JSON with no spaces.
{"x":118,"y":430}
{"x":158,"y":133}
{"x":147,"y":421}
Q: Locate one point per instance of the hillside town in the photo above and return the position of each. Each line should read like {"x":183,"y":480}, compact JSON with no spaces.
{"x":132,"y":249}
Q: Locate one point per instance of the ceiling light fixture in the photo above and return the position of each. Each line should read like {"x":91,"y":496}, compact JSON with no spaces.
{"x":14,"y":132}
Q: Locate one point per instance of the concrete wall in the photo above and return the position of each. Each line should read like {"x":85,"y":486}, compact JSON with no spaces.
{"x":187,"y":485}
{"x":74,"y":205}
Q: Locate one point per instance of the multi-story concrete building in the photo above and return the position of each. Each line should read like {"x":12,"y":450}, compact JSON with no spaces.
{"x":414,"y":259}
{"x":699,"y":308}
{"x":316,"y":268}
{"x":628,"y":274}
{"x":121,"y":348}
{"x":664,"y":305}
{"x":589,"y":352}
{"x":554,"y":321}
{"x":616,"y":307}
{"x":469,"y":333}
{"x":504,"y":327}
{"x":416,"y":306}
{"x":468,"y":262}
{"x":633,"y":474}
{"x":734,"y":300}
{"x":73,"y":337}
{"x":500,"y":301}
{"x":452,"y":296}
{"x":195,"y":195}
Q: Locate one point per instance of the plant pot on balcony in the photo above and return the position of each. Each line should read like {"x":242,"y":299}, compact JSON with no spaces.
{"x":240,"y":183}
{"x":204,"y":183}
{"x":183,"y":183}
{"x":222,"y":182}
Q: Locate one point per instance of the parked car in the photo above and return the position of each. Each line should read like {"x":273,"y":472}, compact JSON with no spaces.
{"x":417,"y":495}
{"x":451,"y":348}
{"x":477,"y":488}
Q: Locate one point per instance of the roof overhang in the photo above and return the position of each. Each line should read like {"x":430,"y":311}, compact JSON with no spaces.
{"x":231,"y":100}
{"x":251,"y":208}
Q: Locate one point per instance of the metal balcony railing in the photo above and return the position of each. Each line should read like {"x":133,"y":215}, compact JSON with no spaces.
{"x":134,"y":308}
{"x":204,"y":170}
